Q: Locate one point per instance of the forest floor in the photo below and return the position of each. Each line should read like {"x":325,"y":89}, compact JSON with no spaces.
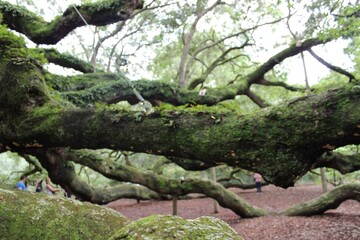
{"x":342,"y":223}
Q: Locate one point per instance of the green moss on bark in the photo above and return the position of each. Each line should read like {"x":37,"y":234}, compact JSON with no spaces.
{"x":158,"y":227}
{"x":26,"y":215}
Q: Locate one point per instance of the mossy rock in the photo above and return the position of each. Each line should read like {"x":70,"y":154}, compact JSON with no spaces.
{"x":157,"y":227}
{"x":26,"y":215}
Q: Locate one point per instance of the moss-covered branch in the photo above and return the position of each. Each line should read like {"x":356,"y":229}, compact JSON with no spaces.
{"x":342,"y":163}
{"x":66,"y":60}
{"x":238,"y":184}
{"x":162,"y":184}
{"x":282,"y":142}
{"x":99,"y":13}
{"x":88,"y":89}
{"x":329,"y":200}
{"x":62,"y":173}
{"x":35,"y":163}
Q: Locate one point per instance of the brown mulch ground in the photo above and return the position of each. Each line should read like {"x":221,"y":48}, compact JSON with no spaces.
{"x":342,"y":223}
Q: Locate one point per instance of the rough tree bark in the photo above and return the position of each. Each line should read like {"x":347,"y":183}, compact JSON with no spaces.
{"x":278,"y":142}
{"x":39,"y":31}
{"x":343,"y":163}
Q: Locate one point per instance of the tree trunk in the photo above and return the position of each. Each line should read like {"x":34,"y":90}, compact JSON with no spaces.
{"x":323,"y":179}
{"x":213,"y":177}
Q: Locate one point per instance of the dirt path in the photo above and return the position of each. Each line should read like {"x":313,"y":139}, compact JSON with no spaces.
{"x":342,"y":223}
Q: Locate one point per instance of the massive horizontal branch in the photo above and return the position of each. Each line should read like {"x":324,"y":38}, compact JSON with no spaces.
{"x":282,"y":142}
{"x":99,"y":13}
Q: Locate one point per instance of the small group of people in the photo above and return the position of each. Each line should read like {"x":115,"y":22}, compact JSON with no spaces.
{"x":22,"y":185}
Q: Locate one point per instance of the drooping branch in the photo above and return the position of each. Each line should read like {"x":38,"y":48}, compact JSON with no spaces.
{"x":66,"y":60}
{"x":329,"y":200}
{"x":342,"y":163}
{"x":161,"y":184}
{"x":332,"y":67}
{"x":36,"y":164}
{"x":256,"y":99}
{"x":99,"y":13}
{"x":63,"y":173}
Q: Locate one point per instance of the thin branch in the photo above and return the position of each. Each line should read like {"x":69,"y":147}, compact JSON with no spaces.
{"x":265,"y":82}
{"x":120,"y":26}
{"x":332,"y":67}
{"x":215,"y":43}
{"x":187,"y":42}
{"x":256,"y":99}
{"x":291,"y":51}
{"x":220,"y":60}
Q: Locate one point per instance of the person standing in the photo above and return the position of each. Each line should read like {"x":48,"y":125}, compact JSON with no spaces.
{"x":21,"y":185}
{"x":49,"y":189}
{"x":257,"y":179}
